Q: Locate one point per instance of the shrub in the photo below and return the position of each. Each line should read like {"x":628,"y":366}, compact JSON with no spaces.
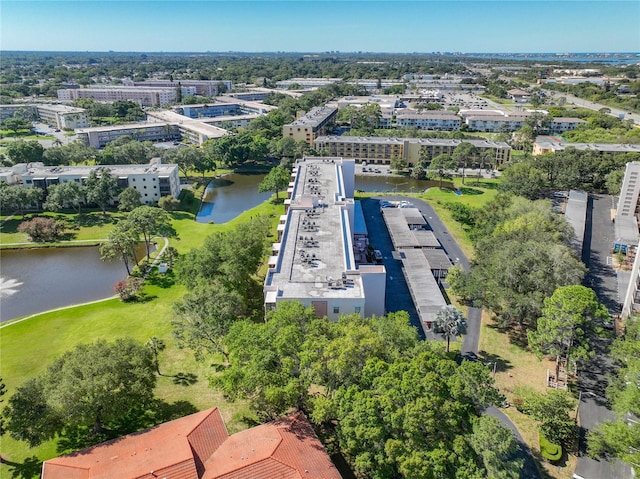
{"x":550,"y":451}
{"x":169,"y":203}
{"x":41,"y":229}
{"x":128,"y":288}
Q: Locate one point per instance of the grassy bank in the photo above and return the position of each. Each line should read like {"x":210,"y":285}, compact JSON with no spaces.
{"x":49,"y":335}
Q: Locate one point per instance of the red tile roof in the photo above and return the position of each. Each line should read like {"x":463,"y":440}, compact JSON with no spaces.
{"x":199,"y":447}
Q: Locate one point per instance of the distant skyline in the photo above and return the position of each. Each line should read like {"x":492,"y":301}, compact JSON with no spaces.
{"x":514,"y":26}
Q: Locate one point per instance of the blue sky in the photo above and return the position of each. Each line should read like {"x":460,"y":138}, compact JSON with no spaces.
{"x":321,"y":25}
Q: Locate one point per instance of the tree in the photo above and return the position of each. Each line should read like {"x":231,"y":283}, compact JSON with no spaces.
{"x":451,"y":321}
{"x":169,"y":203}
{"x":497,"y":446}
{"x":569,"y":321}
{"x":102,"y":189}
{"x":156,"y":345}
{"x":92,"y":386}
{"x":129,"y":199}
{"x":65,"y":194}
{"x":128,"y":288}
{"x":25,"y":151}
{"x":16,"y":124}
{"x":149,"y":222}
{"x":398,"y":164}
{"x":204,"y":317}
{"x":121,"y":243}
{"x":462,"y":154}
{"x":41,"y":229}
{"x":441,"y":164}
{"x":17,"y":198}
{"x":277,"y":180}
{"x":553,"y":411}
{"x":523,"y":179}
{"x":73,"y":153}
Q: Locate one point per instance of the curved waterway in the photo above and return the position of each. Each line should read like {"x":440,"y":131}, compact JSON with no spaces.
{"x":227,"y":197}
{"x":36,"y":280}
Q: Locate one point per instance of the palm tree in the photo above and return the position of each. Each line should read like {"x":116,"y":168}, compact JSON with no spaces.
{"x":451,"y":322}
{"x":156,"y":345}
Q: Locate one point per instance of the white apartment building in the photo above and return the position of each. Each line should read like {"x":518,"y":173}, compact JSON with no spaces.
{"x":202,"y":87}
{"x":57,"y":116}
{"x":428,"y":120}
{"x":101,"y":136}
{"x":551,"y":144}
{"x":152,"y":181}
{"x":144,"y":96}
{"x":313,"y":261}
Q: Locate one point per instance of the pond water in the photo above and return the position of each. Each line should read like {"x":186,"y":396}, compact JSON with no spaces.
{"x":400,"y":184}
{"x":227,"y":197}
{"x":37,"y":280}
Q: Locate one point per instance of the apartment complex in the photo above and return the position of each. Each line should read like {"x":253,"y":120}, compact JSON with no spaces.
{"x":552,"y":144}
{"x":317,"y":122}
{"x":58,"y":116}
{"x":381,"y":150}
{"x":626,"y":231}
{"x":199,"y":446}
{"x":428,"y":120}
{"x":152,"y":181}
{"x":202,"y":87}
{"x":144,"y":96}
{"x":313,"y":261}
{"x":101,"y":136}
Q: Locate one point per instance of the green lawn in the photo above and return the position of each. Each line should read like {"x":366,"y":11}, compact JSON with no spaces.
{"x":50,"y":334}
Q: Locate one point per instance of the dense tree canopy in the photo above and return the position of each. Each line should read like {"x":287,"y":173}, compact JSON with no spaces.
{"x":92,"y":386}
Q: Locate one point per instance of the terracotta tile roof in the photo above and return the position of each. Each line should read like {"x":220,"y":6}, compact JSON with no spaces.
{"x":199,"y":447}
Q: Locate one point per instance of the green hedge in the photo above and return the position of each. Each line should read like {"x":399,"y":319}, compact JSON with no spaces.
{"x":550,"y":451}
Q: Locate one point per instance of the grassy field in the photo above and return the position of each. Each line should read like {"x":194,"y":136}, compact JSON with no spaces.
{"x":50,"y":334}
{"x":517,"y":368}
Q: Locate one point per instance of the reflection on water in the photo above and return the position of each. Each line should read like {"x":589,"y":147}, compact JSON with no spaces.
{"x":41,"y":279}
{"x":370,"y":183}
{"x":227,"y":197}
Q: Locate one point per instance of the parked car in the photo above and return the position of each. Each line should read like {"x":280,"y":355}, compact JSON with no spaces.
{"x":377,"y":254}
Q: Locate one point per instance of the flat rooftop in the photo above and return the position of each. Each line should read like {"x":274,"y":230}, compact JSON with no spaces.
{"x":315,"y":117}
{"x":398,"y":222}
{"x":316,"y":247}
{"x":376,"y":140}
{"x":116,"y":170}
{"x":424,"y":288}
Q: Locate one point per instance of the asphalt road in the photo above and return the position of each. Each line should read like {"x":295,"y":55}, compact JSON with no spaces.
{"x":593,"y":408}
{"x":598,"y":106}
{"x":399,"y":297}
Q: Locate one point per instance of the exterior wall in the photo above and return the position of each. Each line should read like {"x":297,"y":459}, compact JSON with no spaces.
{"x":630,"y":191}
{"x":632,"y":298}
{"x":100,"y":137}
{"x":316,"y":123}
{"x":374,"y":280}
{"x":145,"y":97}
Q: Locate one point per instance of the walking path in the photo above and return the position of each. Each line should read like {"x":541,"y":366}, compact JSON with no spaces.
{"x":155,"y":262}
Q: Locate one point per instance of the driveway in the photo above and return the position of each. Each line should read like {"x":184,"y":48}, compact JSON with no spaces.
{"x":399,"y":297}
{"x":593,"y":378}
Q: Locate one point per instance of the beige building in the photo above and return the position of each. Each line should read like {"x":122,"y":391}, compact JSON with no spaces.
{"x":380,"y":150}
{"x":552,"y":144}
{"x":316,"y":123}
{"x":313,"y":261}
{"x":144,"y":96}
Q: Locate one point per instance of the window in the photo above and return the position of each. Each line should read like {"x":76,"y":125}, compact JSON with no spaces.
{"x":336,"y":309}
{"x":357,"y":310}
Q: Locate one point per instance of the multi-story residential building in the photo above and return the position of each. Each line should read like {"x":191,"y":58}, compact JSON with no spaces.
{"x":101,"y":136}
{"x":152,"y":181}
{"x":317,"y":122}
{"x":307,"y":83}
{"x":560,"y":124}
{"x":313,"y":261}
{"x":202,"y":87}
{"x":58,"y":116}
{"x":552,"y":144}
{"x":518,"y":95}
{"x":495,"y":123}
{"x":380,"y":150}
{"x":144,"y":96}
{"x":626,"y":230}
{"x":428,"y":120}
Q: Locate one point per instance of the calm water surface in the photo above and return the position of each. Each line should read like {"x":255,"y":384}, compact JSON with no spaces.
{"x":37,"y":280}
{"x":227,"y":197}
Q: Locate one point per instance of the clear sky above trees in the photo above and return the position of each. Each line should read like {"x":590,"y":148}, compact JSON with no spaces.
{"x":417,"y":26}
